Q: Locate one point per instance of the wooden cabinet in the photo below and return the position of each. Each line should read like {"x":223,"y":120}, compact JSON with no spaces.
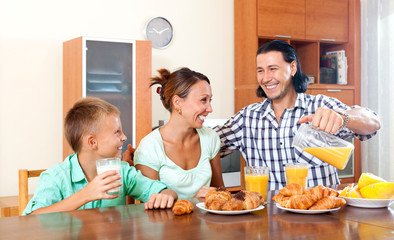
{"x":117,"y":71}
{"x":245,"y":96}
{"x":344,"y":95}
{"x":329,"y":25}
{"x":281,"y":18}
{"x":326,"y":20}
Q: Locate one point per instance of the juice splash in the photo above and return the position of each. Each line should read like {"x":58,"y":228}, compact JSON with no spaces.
{"x":257,"y":183}
{"x":296,"y":175}
{"x":335,"y":156}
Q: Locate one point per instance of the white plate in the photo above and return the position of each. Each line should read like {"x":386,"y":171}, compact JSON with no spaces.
{"x":368,"y":203}
{"x":201,"y":205}
{"x":306,"y":211}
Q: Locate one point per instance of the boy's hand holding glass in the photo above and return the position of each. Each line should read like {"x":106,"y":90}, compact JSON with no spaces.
{"x":98,"y":188}
{"x":109,"y":164}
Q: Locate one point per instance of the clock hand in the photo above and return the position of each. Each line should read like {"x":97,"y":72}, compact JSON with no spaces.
{"x":154,"y":30}
{"x":160,"y":32}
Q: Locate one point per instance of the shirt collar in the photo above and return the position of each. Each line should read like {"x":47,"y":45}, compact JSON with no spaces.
{"x":76,"y":170}
{"x":267,"y":106}
{"x":300,"y":102}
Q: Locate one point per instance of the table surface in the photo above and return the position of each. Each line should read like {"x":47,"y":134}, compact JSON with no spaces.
{"x":134,"y":222}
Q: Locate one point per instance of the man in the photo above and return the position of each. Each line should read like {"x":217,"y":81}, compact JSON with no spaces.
{"x":263,"y":132}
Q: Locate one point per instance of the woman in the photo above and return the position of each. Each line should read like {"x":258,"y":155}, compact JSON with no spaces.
{"x":182,"y":153}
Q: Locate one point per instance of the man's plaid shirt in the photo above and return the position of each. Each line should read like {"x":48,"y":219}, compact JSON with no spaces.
{"x":263,"y":141}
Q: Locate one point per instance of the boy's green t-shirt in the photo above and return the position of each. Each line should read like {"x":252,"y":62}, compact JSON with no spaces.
{"x":65,"y":179}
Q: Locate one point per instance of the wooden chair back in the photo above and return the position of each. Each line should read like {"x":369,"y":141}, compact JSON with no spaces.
{"x":242,"y":167}
{"x":24,"y":176}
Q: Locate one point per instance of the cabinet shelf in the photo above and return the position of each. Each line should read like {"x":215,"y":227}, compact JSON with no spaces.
{"x":116,"y":78}
{"x":330,"y":86}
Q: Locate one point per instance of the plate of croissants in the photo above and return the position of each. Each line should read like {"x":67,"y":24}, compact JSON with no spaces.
{"x":221,"y":201}
{"x":320,"y":199}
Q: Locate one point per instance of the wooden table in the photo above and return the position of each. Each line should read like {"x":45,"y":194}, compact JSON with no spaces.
{"x":133,"y":222}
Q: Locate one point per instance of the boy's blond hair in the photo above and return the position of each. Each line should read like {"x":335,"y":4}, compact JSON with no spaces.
{"x":84,"y":118}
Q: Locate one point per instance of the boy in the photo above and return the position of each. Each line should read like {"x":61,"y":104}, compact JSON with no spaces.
{"x":94,"y":131}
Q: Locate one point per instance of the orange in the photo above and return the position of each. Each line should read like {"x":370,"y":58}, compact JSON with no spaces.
{"x":367,"y":179}
{"x":380,"y":190}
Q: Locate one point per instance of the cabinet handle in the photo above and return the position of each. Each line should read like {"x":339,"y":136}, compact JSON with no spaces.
{"x":282,"y":36}
{"x":328,"y":39}
{"x":333,"y":90}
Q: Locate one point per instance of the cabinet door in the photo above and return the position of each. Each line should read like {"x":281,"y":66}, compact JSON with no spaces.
{"x":344,"y":95}
{"x":114,"y":71}
{"x":244,"y":96}
{"x":281,"y":18}
{"x":327,"y":20}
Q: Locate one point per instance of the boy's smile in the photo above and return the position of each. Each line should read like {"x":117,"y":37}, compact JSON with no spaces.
{"x":110,"y":137}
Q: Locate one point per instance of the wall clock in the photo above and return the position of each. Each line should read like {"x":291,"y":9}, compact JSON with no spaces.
{"x":159,"y":30}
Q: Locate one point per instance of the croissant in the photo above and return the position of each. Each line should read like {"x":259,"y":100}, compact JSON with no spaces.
{"x":303,"y":202}
{"x":328,"y":203}
{"x":292,"y":189}
{"x":333,"y":193}
{"x":220,"y":191}
{"x":250,"y":200}
{"x":216,"y":198}
{"x":182,"y":207}
{"x":322,"y":192}
{"x":319,"y":191}
{"x":281,"y":199}
{"x":232,"y":205}
{"x":216,"y":204}
{"x":221,"y":199}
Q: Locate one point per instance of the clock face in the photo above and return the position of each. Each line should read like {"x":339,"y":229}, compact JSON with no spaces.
{"x":159,"y":31}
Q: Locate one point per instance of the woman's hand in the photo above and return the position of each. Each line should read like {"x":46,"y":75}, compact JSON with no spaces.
{"x":203,"y":191}
{"x":128,"y":155}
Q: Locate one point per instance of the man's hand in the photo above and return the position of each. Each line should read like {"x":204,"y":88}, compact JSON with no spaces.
{"x":128,"y":155}
{"x":324,"y":119}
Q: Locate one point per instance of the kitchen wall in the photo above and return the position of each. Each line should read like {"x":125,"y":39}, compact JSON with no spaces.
{"x":31,"y":37}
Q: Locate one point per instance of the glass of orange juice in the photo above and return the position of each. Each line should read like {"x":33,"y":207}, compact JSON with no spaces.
{"x":256,"y":179}
{"x":297,"y":173}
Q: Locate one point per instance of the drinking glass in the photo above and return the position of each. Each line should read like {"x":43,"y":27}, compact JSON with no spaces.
{"x":256,"y":179}
{"x":297,"y":173}
{"x":108,"y":164}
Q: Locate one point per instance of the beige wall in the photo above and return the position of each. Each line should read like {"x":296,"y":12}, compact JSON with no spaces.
{"x":31,"y":39}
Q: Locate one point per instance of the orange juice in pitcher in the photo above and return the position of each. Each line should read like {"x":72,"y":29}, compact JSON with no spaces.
{"x":334,"y":156}
{"x":325,"y":146}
